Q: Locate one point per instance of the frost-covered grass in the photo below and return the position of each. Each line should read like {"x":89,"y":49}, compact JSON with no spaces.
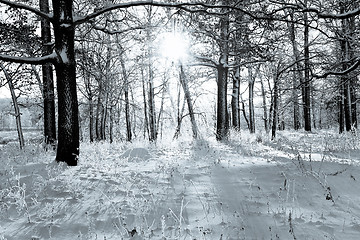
{"x":300,"y":186}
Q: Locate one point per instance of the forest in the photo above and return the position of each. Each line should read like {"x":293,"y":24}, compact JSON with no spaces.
{"x":206,"y":103}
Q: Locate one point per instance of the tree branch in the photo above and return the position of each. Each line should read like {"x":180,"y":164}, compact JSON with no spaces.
{"x":207,"y":61}
{"x":350,"y":69}
{"x":183,"y":6}
{"x":28,"y":8}
{"x":29,"y":60}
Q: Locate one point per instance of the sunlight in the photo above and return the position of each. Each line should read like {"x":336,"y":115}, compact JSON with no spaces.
{"x":174,"y":46}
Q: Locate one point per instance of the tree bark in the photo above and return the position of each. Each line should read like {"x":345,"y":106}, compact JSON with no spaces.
{"x":264,"y":105}
{"x":341,"y":108}
{"x":48,"y":82}
{"x":235,"y":101}
{"x":306,"y":84}
{"x":275,"y":109}
{"x":184,"y":84}
{"x":68,"y":123}
{"x":251,"y":83}
{"x":146,"y":121}
{"x":222,"y":123}
{"x":127,"y":102}
{"x":151,"y":104}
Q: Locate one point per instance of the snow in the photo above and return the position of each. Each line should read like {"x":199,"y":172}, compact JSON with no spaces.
{"x":301,"y":186}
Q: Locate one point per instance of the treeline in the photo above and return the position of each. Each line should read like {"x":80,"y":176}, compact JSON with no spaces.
{"x":299,"y":58}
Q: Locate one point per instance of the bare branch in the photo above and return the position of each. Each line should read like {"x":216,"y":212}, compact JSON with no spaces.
{"x":112,"y":32}
{"x":206,"y":60}
{"x":350,"y":69}
{"x":29,"y":60}
{"x":28,"y":8}
{"x":318,"y":12}
{"x":346,"y":15}
{"x":201,"y":8}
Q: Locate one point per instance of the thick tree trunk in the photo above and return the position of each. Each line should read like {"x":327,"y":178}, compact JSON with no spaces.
{"x":297,"y":76}
{"x":184,"y":84}
{"x":222,"y":123}
{"x":68,"y":123}
{"x":235,"y":101}
{"x":48,"y":82}
{"x":306,"y":84}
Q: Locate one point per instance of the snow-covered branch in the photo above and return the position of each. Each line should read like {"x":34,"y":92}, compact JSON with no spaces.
{"x":317,"y":11}
{"x":184,"y":6}
{"x":29,"y":60}
{"x":28,"y":8}
{"x":208,"y":61}
{"x":350,"y":69}
{"x":345,"y":15}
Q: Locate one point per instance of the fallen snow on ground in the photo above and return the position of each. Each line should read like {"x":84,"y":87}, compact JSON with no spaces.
{"x":301,"y":186}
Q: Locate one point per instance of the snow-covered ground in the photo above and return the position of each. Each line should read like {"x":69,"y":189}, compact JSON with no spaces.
{"x":301,"y":186}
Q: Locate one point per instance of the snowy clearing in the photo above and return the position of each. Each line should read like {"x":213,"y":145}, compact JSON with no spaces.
{"x":301,"y":186}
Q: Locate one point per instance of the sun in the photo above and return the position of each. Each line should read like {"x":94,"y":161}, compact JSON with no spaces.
{"x":174,"y":46}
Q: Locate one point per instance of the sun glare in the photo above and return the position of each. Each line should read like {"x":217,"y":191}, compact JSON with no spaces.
{"x":174,"y":46}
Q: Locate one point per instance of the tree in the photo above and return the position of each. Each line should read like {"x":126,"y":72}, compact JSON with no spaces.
{"x":306,"y":84}
{"x":47,"y":76}
{"x":17,"y":112}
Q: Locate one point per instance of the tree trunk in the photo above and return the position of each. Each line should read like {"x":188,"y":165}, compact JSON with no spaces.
{"x":99,"y":111}
{"x":265,"y":117}
{"x":251,"y":82}
{"x":104,"y":117}
{"x":151,"y":104}
{"x":313,"y":106}
{"x":91,"y":118}
{"x":16,"y":107}
{"x":184,"y":84}
{"x":297,"y":76}
{"x":295,"y":99}
{"x":179,"y":118}
{"x":146,"y":121}
{"x":244,"y":112}
{"x":222,"y":123}
{"x":275,"y":109}
{"x":346,"y":79}
{"x":235,"y":101}
{"x":48,"y":82}
{"x":306,"y":84}
{"x":68,"y":123}
{"x":127,"y":102}
{"x":341,"y":108}
{"x":111,"y":125}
